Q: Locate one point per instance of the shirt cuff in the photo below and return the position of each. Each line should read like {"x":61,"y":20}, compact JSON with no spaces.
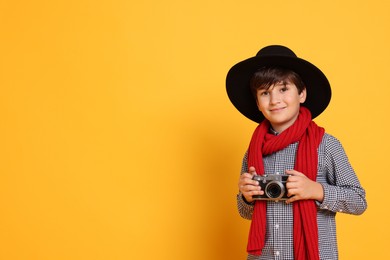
{"x":330,"y":198}
{"x":244,"y":208}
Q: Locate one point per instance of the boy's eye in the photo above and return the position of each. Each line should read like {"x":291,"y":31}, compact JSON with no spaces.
{"x":284,"y":88}
{"x":264,"y":93}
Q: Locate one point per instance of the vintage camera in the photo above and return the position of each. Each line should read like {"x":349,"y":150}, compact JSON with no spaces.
{"x":273,"y":185}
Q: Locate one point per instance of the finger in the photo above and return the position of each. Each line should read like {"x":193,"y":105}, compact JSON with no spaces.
{"x":253,"y":192}
{"x":244,"y":178}
{"x":249,"y":195}
{"x":292,"y":199}
{"x":252,"y":170}
{"x":247,"y":179}
{"x":294,"y":173}
{"x":290,"y":185}
{"x":246,"y":175}
{"x":250,"y":188}
{"x":292,"y":192}
{"x":291,"y":179}
{"x":296,"y":178}
{"x":244,"y":189}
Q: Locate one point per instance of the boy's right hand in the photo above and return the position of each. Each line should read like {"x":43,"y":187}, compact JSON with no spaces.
{"x":249,"y":187}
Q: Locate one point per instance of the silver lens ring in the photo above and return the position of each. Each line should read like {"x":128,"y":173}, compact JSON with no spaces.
{"x":274,"y":190}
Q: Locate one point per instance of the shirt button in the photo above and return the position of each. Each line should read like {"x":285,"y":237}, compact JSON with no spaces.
{"x":340,"y":210}
{"x":276,"y":226}
{"x":277,"y":253}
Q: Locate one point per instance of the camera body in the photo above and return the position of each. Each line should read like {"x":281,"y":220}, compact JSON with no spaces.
{"x":273,"y":185}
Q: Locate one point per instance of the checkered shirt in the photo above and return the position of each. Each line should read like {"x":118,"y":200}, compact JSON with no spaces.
{"x":342,"y":193}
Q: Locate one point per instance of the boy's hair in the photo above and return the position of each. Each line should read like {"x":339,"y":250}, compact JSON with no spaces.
{"x":266,"y":77}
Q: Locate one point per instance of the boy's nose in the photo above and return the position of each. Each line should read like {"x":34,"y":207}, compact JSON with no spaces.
{"x":274,"y":98}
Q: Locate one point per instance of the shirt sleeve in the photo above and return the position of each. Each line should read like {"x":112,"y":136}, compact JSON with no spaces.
{"x":342,"y":191}
{"x":245,"y":209}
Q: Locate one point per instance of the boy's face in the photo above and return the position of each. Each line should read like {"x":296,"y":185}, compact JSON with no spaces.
{"x":280,"y":104}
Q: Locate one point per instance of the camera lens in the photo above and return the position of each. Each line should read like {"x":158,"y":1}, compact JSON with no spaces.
{"x":274,"y":190}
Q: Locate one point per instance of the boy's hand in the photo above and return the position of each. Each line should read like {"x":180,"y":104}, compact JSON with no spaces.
{"x":300,"y":187}
{"x":249,"y":187}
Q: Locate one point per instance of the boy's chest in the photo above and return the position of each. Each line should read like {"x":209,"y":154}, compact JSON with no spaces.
{"x":280,"y":161}
{"x":284,"y":160}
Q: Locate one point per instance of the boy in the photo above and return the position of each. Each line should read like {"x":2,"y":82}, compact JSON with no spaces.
{"x":283,"y":93}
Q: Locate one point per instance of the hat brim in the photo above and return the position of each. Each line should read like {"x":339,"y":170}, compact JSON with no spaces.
{"x":238,"y":89}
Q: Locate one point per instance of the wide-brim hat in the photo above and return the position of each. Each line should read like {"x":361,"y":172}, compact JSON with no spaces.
{"x":238,"y":80}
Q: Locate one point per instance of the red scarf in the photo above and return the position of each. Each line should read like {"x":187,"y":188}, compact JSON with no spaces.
{"x":262,"y":143}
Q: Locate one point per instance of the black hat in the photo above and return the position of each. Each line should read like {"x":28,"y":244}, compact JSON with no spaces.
{"x":238,"y":78}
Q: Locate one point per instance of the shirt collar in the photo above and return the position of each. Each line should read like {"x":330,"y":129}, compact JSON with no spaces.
{"x":272,"y":131}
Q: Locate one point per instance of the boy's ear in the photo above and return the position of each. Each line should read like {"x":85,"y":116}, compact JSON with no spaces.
{"x":302,"y":96}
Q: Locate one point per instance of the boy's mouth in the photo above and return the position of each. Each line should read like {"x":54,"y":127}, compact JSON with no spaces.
{"x":277,"y":109}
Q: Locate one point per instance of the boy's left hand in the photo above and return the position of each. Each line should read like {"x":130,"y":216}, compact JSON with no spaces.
{"x":300,"y":187}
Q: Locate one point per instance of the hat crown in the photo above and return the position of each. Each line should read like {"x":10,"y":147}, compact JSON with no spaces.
{"x":276,"y":50}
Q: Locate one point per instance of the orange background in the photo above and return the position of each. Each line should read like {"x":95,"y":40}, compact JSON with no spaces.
{"x":118,"y":140}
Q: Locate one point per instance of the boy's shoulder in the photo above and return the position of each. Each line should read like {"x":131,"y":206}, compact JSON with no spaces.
{"x":330,"y":142}
{"x":330,"y":137}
